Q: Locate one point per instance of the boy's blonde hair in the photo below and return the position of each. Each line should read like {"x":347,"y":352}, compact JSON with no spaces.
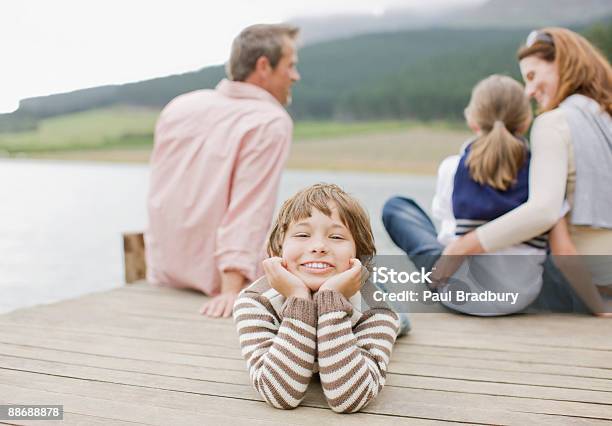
{"x":501,"y":110}
{"x":319,"y":196}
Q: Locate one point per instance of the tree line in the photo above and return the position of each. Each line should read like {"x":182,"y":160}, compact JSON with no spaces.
{"x":423,"y":74}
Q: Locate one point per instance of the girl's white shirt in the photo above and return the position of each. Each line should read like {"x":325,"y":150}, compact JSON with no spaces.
{"x":486,"y":273}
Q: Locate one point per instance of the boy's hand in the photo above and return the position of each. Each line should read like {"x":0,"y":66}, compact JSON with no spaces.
{"x":283,"y":281}
{"x":348,"y":282}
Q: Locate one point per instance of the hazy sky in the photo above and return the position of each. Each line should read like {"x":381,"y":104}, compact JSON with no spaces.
{"x":62,"y":45}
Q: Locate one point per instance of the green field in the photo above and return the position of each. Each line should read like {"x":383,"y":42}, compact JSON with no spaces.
{"x":126,"y":134}
{"x":96,"y":129}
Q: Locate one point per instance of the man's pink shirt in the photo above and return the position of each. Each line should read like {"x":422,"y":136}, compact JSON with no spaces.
{"x":215,"y":171}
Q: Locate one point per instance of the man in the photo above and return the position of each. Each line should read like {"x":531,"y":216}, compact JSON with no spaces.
{"x":215,"y":171}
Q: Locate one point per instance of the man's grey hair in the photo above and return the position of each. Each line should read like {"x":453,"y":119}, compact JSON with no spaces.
{"x":254,"y":42}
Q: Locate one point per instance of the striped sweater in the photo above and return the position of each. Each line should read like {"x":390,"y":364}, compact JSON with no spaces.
{"x":282,"y":340}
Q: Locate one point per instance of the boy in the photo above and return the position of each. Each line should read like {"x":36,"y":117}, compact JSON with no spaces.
{"x":304,"y":309}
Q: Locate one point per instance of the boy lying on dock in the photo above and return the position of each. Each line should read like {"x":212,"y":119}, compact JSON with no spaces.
{"x":302,"y":317}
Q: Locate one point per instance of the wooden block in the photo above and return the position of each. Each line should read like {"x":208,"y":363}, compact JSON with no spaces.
{"x":134,"y":257}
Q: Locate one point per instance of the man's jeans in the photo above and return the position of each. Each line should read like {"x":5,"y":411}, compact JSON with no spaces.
{"x":413,"y":231}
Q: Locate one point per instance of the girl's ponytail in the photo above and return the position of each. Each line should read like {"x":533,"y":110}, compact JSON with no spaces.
{"x":501,"y":111}
{"x":496,"y":157}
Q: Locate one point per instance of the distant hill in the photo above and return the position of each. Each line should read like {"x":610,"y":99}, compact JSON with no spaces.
{"x":424,"y":74}
{"x":334,"y":74}
{"x":420,"y":74}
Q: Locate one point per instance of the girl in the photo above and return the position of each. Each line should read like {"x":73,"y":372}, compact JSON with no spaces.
{"x":305,"y":308}
{"x":487,"y":180}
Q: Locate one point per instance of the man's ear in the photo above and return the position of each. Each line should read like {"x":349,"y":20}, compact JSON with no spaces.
{"x":262,"y":66}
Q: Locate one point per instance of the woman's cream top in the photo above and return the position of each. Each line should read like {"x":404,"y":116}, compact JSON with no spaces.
{"x":552,"y":178}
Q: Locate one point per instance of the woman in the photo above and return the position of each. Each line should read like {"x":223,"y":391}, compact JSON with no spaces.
{"x":571,"y":158}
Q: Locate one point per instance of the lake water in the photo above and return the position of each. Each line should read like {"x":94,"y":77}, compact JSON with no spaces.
{"x":61,"y":222}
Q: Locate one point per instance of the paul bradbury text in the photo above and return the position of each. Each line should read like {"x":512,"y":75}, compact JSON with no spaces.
{"x":456,"y":296}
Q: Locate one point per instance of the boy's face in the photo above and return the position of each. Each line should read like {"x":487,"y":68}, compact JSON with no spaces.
{"x":318,"y":247}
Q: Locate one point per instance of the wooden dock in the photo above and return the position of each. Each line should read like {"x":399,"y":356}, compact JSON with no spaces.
{"x":142,"y":354}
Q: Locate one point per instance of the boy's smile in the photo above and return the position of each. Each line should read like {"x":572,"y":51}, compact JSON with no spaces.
{"x":317,"y":267}
{"x":318,"y":247}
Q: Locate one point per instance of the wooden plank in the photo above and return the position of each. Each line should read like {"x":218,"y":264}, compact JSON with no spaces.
{"x":164,"y":407}
{"x":118,"y":410}
{"x":147,"y":344}
{"x":527,"y":336}
{"x":232,"y":360}
{"x":126,"y":397}
{"x":78,"y":420}
{"x":244,"y":391}
{"x":506,"y":326}
{"x":188,"y":342}
{"x":197,"y":324}
{"x":229,"y":349}
{"x":239,"y":377}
